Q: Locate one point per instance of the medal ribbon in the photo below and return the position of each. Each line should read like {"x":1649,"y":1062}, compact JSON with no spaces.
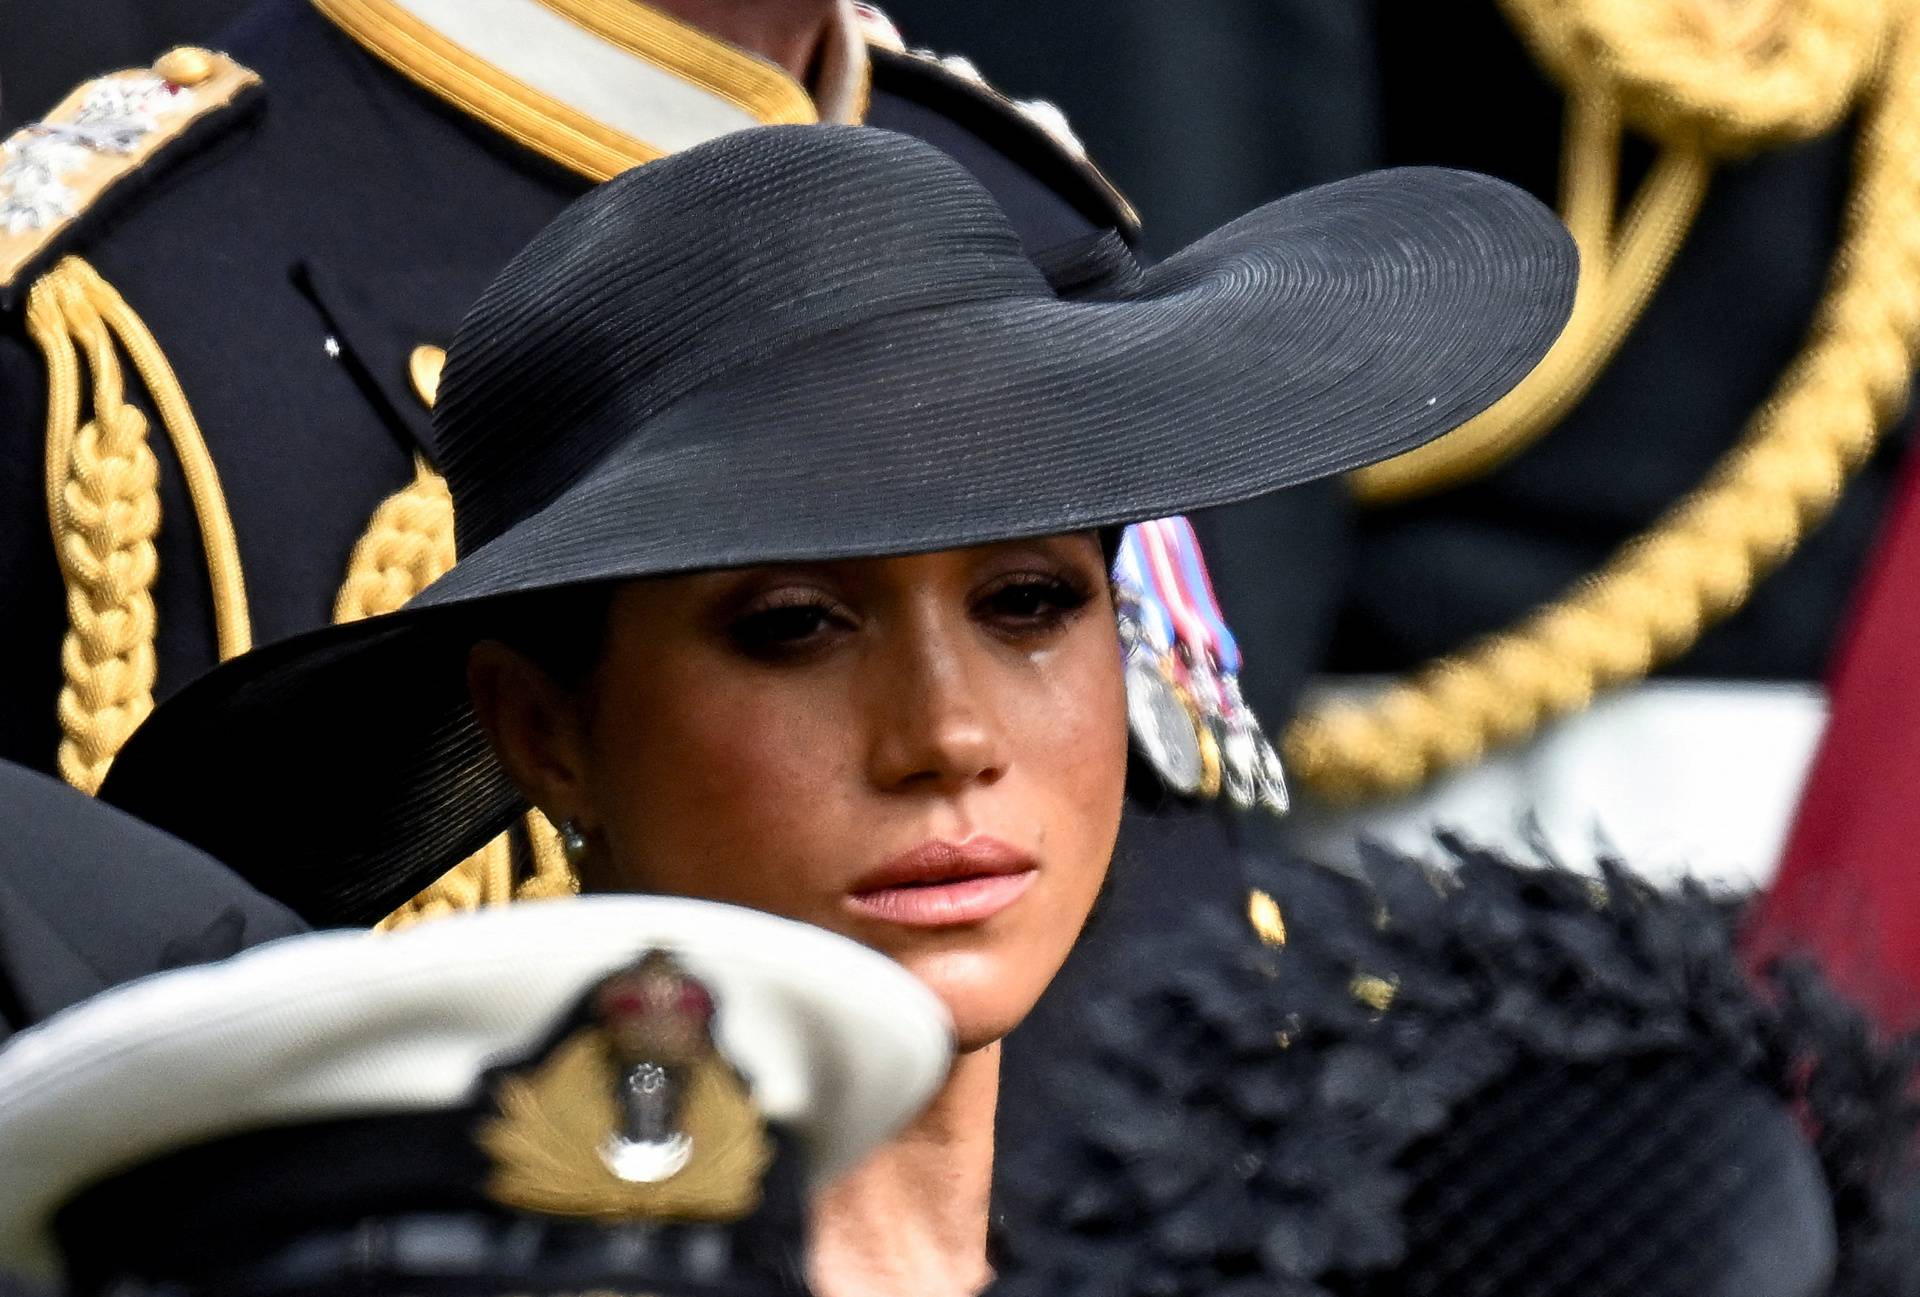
{"x":1181,"y":586}
{"x":1130,"y":573}
{"x":1196,"y":588}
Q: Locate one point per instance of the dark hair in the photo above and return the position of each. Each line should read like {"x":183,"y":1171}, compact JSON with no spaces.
{"x":563,"y":631}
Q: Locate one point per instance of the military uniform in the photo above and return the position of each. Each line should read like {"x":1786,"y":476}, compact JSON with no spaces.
{"x":45,"y":49}
{"x":91,"y":897}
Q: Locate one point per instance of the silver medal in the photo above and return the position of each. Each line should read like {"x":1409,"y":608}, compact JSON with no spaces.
{"x":1164,"y":727}
{"x":1273,"y":779}
{"x":1265,"y":783}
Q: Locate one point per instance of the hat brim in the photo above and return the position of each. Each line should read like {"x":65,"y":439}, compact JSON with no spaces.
{"x":342,"y":770}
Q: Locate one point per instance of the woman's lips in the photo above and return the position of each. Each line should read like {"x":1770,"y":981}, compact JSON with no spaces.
{"x":945,"y":884}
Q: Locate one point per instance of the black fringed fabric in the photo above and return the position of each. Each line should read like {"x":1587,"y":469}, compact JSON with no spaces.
{"x":1494,"y":1080}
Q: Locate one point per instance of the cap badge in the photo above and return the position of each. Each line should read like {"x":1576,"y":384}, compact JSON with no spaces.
{"x":633,"y":1113}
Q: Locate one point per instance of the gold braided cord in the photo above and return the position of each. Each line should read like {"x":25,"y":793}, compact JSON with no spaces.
{"x":47,"y":325}
{"x":552,"y":875}
{"x":103,"y":504}
{"x":1655,"y":596}
{"x":1731,"y":76}
{"x":484,"y":878}
{"x":233,"y":627}
{"x":408,"y":544}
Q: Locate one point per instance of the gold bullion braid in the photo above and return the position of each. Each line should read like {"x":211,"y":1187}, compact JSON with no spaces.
{"x":1655,"y":596}
{"x":232,"y":623}
{"x":407,"y":545}
{"x":1735,"y":75}
{"x":103,"y":504}
{"x":106,"y":515}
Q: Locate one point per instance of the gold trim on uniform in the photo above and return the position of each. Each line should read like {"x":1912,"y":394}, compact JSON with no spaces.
{"x":744,"y":83}
{"x":480,"y":89}
{"x":748,"y":82}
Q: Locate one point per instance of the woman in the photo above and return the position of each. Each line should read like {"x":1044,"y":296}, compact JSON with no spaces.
{"x":785,"y":544}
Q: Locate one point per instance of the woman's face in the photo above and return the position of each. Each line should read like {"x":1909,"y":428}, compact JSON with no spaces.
{"x":926,"y":754}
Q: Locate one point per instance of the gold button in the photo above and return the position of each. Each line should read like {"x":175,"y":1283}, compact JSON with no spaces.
{"x":1264,"y":913}
{"x":424,"y":367}
{"x":1375,"y":992}
{"x":186,"y":66}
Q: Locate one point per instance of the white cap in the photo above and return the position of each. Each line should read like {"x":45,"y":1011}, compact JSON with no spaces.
{"x":837,"y":1044}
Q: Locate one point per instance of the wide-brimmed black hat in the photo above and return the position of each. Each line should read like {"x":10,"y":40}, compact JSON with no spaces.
{"x":813,"y":343}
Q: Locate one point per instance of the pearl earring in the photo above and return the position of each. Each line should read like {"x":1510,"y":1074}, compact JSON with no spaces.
{"x":573,"y":841}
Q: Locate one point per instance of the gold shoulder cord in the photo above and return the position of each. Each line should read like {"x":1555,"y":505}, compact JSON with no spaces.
{"x":1685,"y":73}
{"x":104,"y":505}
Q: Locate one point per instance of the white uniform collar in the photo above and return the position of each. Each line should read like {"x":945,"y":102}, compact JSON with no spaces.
{"x":600,"y":86}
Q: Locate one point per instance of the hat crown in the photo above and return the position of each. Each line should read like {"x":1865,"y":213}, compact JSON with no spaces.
{"x":678,"y":271}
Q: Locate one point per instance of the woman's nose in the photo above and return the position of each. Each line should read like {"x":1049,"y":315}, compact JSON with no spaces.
{"x":936,"y":724}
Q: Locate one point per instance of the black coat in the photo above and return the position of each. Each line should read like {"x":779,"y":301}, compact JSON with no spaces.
{"x":91,"y":897}
{"x":46,"y":47}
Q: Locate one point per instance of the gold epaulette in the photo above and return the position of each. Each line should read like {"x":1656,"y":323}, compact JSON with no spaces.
{"x":55,"y":172}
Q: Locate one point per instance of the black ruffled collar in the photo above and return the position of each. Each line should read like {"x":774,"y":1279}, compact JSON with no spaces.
{"x":1262,"y":1116}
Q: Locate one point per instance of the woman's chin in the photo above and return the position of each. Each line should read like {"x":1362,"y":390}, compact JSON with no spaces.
{"x":986,"y":996}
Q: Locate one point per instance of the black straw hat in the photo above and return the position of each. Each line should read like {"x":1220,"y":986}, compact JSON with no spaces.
{"x":823,"y":342}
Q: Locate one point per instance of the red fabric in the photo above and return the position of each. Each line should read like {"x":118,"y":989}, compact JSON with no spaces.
{"x":1848,"y":890}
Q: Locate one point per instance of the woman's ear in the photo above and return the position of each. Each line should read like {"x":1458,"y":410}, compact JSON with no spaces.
{"x":536,"y":727}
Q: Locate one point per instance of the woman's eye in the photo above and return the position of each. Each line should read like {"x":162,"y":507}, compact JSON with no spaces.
{"x":783,"y":630}
{"x":1032,"y":603}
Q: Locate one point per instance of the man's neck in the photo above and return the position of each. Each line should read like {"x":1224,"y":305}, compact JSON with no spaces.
{"x":913,"y":1217}
{"x":787,"y":33}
